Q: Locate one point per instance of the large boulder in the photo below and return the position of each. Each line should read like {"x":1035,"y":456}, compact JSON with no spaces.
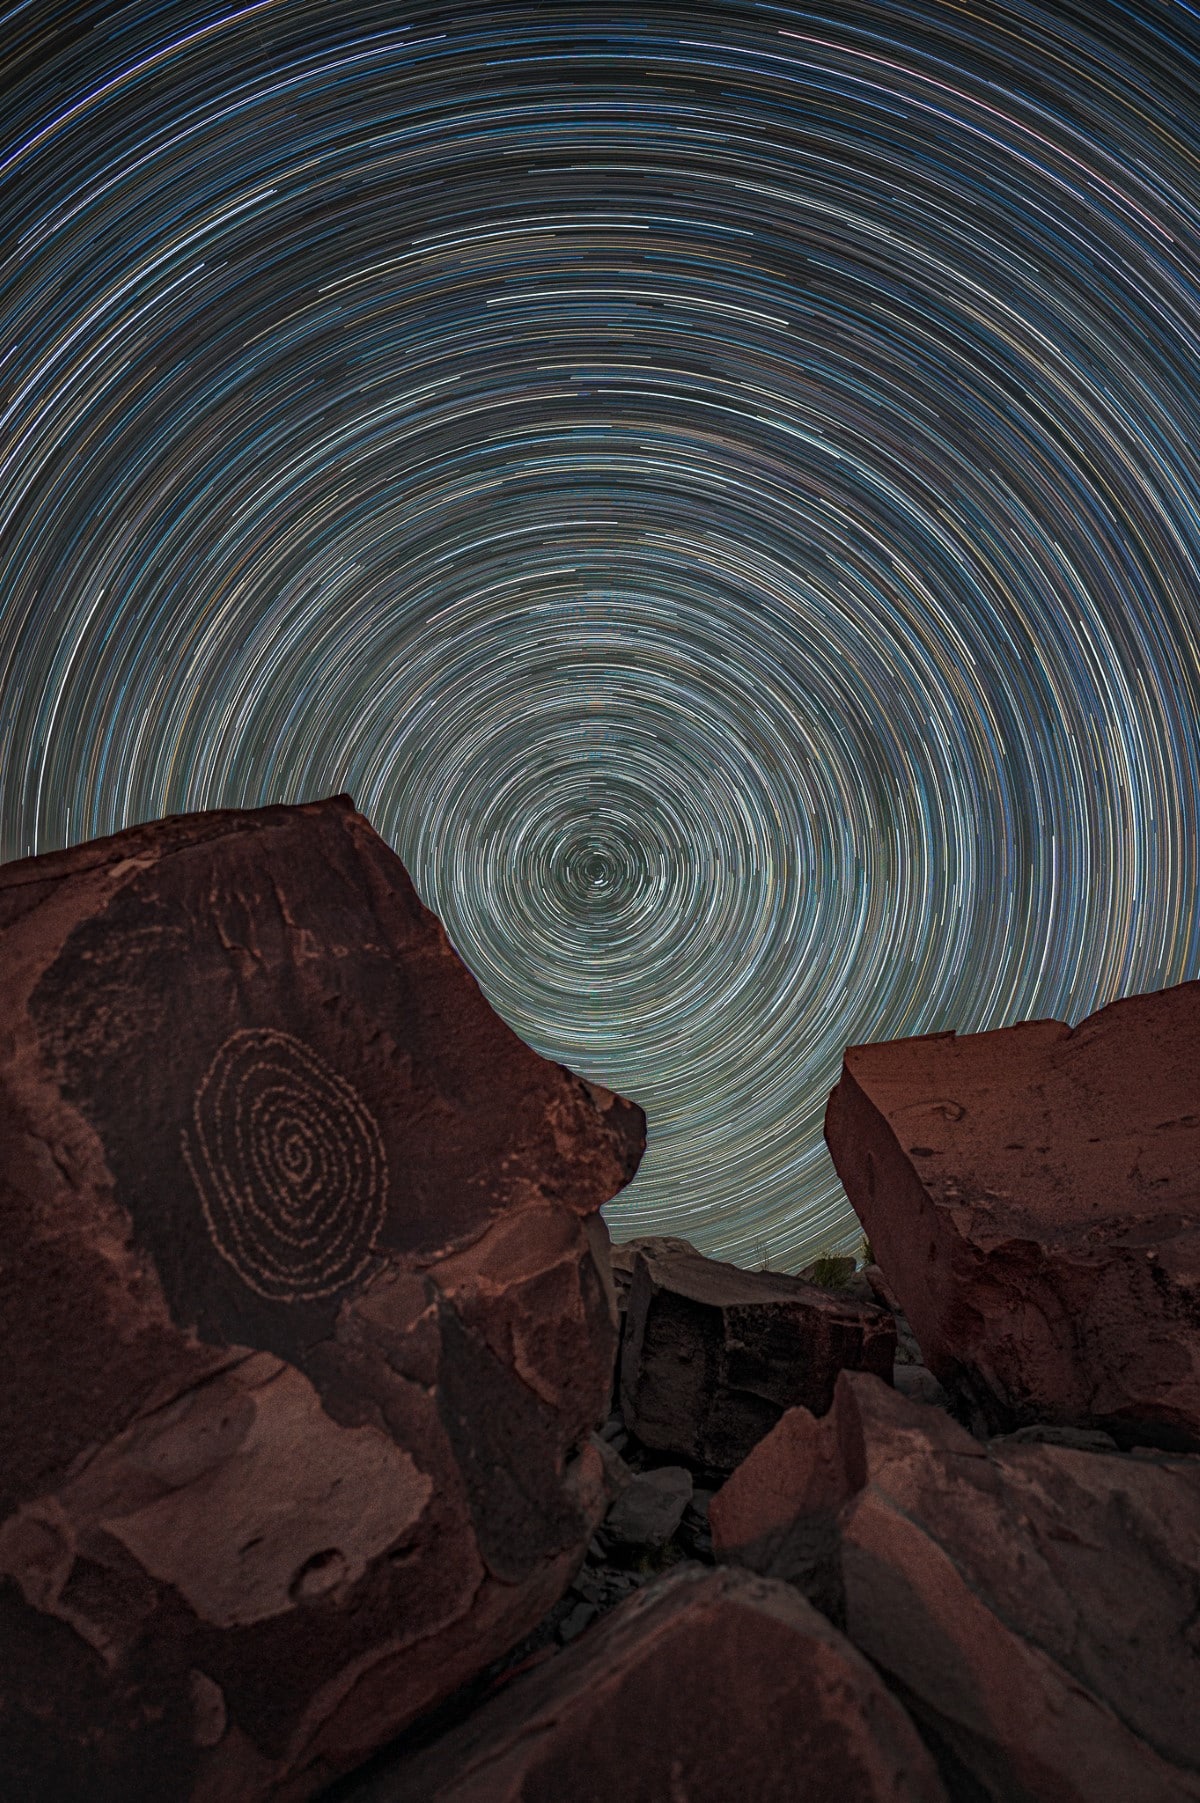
{"x":1034,"y":1605}
{"x":705,"y":1687}
{"x":305,"y":1308}
{"x":1032,"y":1196}
{"x":712,"y":1354}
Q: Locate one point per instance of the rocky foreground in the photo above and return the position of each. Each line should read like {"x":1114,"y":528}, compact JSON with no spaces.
{"x":343,"y":1456}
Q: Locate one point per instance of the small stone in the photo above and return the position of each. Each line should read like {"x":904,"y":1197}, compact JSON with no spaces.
{"x":649,"y":1510}
{"x":208,"y":1709}
{"x":880,"y":1288}
{"x":907,"y":1350}
{"x":617,"y":1475}
{"x":587,"y":1588}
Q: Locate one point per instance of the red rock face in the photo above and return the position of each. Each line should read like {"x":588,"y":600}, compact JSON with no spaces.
{"x":1034,"y":1606}
{"x":709,"y":1687}
{"x":305,"y":1304}
{"x":712,"y":1355}
{"x":1033,"y":1196}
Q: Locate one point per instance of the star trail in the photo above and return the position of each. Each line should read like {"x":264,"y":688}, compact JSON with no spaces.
{"x":717,"y":484}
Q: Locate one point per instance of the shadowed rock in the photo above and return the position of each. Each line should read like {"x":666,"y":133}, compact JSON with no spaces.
{"x":1034,"y":1605}
{"x":306,"y":1310}
{"x":622,"y":1258}
{"x":712,"y":1355}
{"x":1032,"y":1196}
{"x":650,"y":1507}
{"x":709,"y":1686}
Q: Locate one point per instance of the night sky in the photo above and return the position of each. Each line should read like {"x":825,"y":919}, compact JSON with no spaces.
{"x":717,"y":484}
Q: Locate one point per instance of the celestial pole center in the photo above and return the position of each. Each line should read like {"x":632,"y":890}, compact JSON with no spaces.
{"x":717,"y":484}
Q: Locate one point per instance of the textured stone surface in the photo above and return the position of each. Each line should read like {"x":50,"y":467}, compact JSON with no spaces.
{"x":712,"y":1354}
{"x":1034,"y":1605}
{"x":1032,"y":1196}
{"x":705,"y":1688}
{"x":305,"y":1304}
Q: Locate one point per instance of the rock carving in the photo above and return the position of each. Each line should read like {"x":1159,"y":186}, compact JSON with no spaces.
{"x":289,"y":1165}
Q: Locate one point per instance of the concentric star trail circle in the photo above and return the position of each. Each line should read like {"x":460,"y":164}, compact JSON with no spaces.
{"x":717,"y":484}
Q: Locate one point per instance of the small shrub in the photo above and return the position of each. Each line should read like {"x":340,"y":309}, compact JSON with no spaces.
{"x":830,"y":1271}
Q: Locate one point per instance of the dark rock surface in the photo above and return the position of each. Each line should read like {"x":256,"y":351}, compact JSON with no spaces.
{"x":712,"y":1354}
{"x":876,"y":1287}
{"x":1032,"y":1196}
{"x":306,"y":1310}
{"x":1035,"y":1604}
{"x":622,"y":1256}
{"x":706,"y":1688}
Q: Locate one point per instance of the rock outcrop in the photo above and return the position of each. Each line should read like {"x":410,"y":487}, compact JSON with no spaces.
{"x":712,"y":1354}
{"x":1035,"y":1605}
{"x":306,"y":1311}
{"x":1032,"y":1195}
{"x":708,"y":1687}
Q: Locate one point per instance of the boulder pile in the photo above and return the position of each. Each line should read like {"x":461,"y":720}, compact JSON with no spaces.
{"x":342,"y":1455}
{"x":1006,"y":1525}
{"x":1035,"y":1604}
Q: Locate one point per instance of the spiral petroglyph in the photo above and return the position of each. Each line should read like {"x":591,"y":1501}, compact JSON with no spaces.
{"x":289,"y":1165}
